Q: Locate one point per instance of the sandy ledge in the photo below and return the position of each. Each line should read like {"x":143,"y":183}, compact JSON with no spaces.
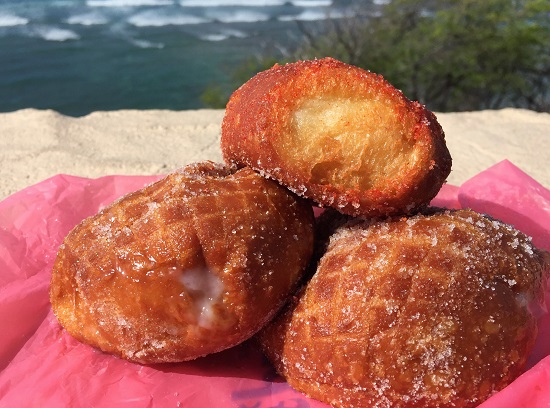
{"x":37,"y":144}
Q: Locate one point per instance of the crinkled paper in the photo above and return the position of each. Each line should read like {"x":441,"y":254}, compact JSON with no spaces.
{"x":42,"y":366}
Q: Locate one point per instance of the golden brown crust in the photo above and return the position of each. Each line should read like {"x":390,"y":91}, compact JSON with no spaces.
{"x":339,"y":135}
{"x":187,"y":266}
{"x":429,"y":311}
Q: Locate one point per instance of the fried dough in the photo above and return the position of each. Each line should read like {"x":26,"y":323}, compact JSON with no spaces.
{"x":339,"y":135}
{"x":433,"y":310}
{"x":190,"y":265}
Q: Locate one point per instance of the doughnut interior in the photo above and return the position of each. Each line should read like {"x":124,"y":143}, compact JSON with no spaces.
{"x":190,"y":265}
{"x":342,"y":145}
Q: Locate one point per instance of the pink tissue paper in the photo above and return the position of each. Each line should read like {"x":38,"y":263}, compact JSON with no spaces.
{"x":42,"y":366}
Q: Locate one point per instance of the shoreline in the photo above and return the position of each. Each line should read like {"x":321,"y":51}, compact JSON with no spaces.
{"x":38,"y":144}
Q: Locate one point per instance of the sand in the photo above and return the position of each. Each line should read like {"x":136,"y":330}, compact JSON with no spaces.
{"x":38,"y":144}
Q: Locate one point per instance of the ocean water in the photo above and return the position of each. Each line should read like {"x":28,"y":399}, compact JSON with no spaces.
{"x":79,"y":56}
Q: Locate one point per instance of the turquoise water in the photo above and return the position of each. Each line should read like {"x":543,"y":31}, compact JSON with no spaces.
{"x":78,"y":56}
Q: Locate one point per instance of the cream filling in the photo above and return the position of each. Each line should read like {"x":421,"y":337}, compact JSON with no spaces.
{"x":205,"y":289}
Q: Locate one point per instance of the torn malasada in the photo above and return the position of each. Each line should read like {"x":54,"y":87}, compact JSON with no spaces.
{"x":339,"y":135}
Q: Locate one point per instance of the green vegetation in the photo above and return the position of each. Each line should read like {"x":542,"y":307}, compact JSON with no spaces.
{"x":452,"y":55}
{"x":216,"y":97}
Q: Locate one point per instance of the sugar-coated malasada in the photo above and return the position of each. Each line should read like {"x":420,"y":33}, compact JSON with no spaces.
{"x":435,"y":310}
{"x":339,"y":135}
{"x":190,"y":265}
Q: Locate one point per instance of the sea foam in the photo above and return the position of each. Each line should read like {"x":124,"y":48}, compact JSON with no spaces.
{"x":147,"y":44}
{"x":88,"y":19}
{"x":128,"y":3}
{"x":223,"y":35}
{"x":50,"y":33}
{"x":312,"y":3}
{"x":11,"y":20}
{"x":214,"y":37}
{"x":236,"y":16}
{"x":157,"y":18}
{"x":221,"y":3}
{"x":313,"y":15}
